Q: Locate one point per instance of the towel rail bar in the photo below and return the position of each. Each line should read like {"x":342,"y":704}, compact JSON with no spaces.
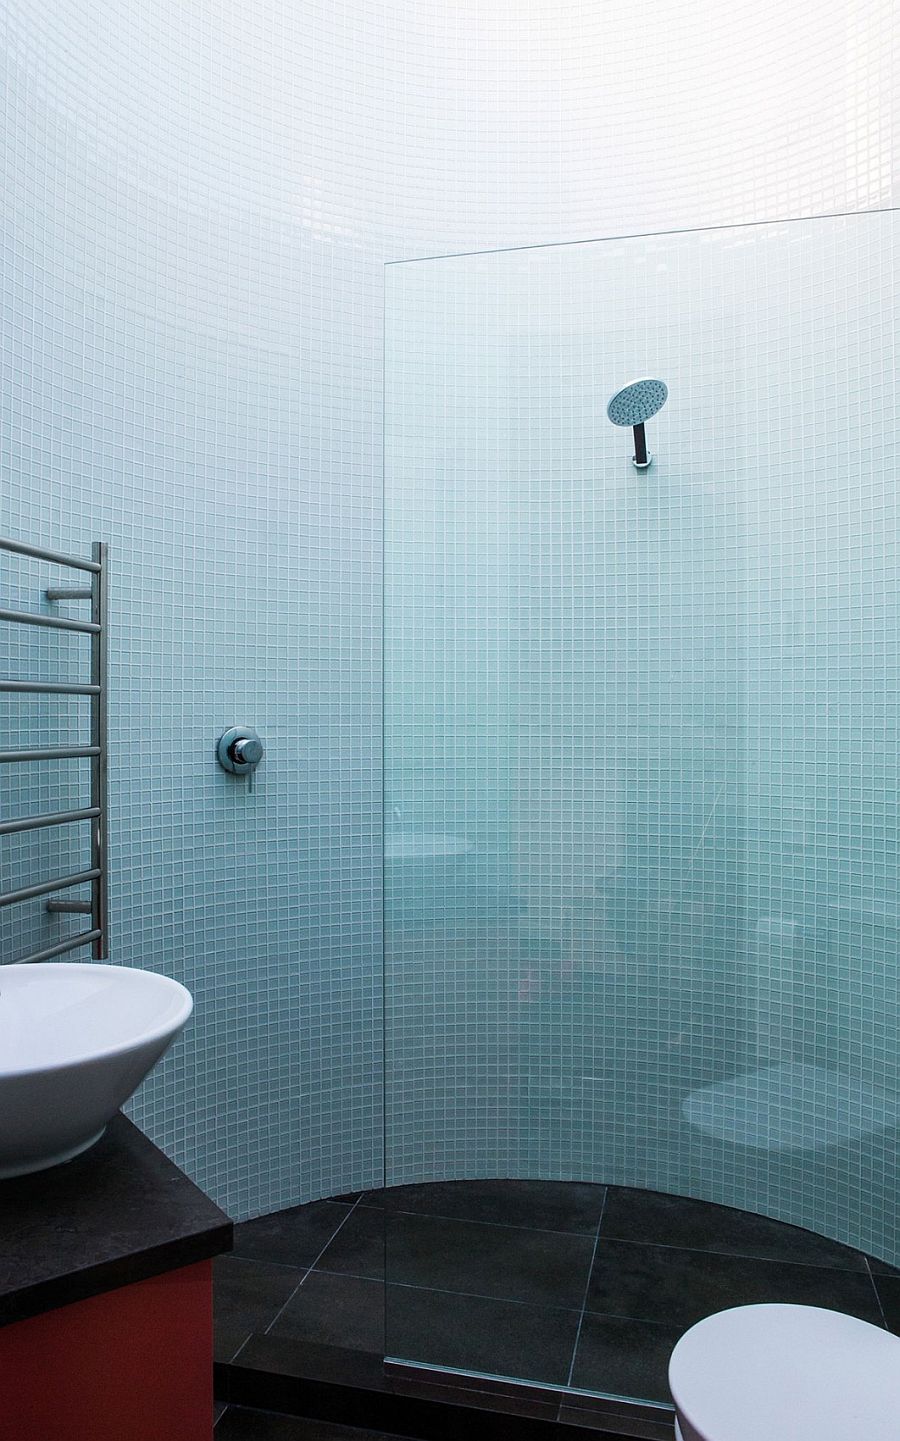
{"x":47,"y":687}
{"x":46,"y":888}
{"x":71,"y":943}
{"x":37,"y":552}
{"x":49,"y":753}
{"x":53,"y":622}
{"x":96,"y":812}
{"x":58,"y":818}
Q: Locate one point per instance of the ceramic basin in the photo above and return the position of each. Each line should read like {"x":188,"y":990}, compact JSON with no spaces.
{"x":75,"y":1042}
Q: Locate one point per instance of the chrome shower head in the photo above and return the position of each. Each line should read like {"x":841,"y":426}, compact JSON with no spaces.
{"x":634,"y":404}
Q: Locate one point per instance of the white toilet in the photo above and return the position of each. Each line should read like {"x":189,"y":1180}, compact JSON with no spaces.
{"x":786,"y":1373}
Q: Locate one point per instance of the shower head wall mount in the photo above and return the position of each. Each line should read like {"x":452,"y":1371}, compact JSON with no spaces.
{"x":633,"y":405}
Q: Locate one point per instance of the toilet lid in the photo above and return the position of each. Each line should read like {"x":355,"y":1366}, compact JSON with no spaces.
{"x":787,"y":1373}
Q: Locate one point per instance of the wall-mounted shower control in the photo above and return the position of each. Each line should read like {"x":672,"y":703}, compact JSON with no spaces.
{"x":239,"y":750}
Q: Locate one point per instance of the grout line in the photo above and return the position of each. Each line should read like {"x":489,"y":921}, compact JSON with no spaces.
{"x":260,"y":1261}
{"x":585,"y":1293}
{"x":679,"y":1326}
{"x":442,"y":1291}
{"x":310,"y":1268}
{"x":266,"y":1329}
{"x":498,"y":1225}
{"x":349,"y":1207}
{"x":747,"y":1256}
{"x":877,"y":1295}
{"x":602,"y":1217}
{"x":337,"y":1230}
{"x":231,"y":1360}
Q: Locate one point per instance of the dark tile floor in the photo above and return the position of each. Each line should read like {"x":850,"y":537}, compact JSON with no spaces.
{"x":560,"y":1284}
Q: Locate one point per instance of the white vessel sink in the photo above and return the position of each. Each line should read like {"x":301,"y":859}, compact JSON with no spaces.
{"x":75,"y":1042}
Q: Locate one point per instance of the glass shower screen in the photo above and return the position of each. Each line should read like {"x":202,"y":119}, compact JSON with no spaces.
{"x":641,"y":888}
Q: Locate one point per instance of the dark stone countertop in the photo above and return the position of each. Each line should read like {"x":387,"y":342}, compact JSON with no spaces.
{"x":121,"y":1212}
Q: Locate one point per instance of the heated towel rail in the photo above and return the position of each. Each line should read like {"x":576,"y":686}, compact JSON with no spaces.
{"x":96,"y":813}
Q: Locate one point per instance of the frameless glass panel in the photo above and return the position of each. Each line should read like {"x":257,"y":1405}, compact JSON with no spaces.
{"x":641,"y":897}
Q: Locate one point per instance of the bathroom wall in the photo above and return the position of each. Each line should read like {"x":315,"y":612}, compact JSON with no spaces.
{"x":191,"y":336}
{"x":530,"y":123}
{"x":198,"y":198}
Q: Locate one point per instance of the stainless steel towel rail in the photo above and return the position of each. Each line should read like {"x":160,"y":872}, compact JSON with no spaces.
{"x":47,"y":687}
{"x":95,"y":814}
{"x":45,"y":888}
{"x":37,"y":552}
{"x":53,"y":622}
{"x":57,"y":818}
{"x":50,"y":753}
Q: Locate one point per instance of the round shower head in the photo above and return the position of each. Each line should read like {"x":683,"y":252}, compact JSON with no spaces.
{"x":636,"y":402}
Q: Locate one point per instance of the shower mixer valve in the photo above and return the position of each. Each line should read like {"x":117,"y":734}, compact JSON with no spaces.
{"x":239,"y":751}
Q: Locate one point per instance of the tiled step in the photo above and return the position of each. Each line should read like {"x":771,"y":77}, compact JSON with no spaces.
{"x":240,"y":1423}
{"x":330,"y":1384}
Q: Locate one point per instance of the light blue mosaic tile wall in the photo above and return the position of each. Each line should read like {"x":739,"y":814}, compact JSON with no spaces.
{"x":197,"y":196}
{"x":191,"y":317}
{"x":643,"y":915}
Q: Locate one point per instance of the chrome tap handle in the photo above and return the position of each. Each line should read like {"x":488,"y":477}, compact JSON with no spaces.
{"x":239,"y":750}
{"x":246,"y":751}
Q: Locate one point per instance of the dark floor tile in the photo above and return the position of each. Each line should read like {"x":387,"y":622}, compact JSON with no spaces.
{"x":505,"y":1262}
{"x":888,"y":1288}
{"x":290,"y":1238}
{"x":358,"y":1248}
{"x":679,"y":1287}
{"x":881,"y":1268}
{"x":469,"y":1333}
{"x":624,"y":1358}
{"x":661,"y":1220}
{"x":242,"y":1424}
{"x":248,"y":1295}
{"x":538,"y":1205}
{"x":336,"y":1310}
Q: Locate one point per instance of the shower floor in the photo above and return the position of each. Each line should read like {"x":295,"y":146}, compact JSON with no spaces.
{"x":579,"y":1291}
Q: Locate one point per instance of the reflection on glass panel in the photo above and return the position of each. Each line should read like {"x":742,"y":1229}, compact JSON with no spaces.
{"x":642,"y":917}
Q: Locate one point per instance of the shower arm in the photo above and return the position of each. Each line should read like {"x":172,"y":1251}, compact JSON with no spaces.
{"x":641,"y":459}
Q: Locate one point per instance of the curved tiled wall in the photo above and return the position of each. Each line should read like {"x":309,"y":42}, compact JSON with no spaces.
{"x":191,"y":325}
{"x":198,"y":200}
